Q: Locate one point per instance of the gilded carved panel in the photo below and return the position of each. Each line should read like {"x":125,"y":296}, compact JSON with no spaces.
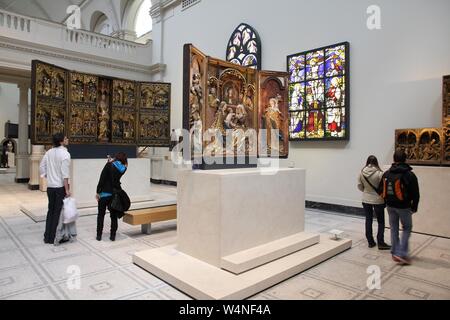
{"x":124,"y":112}
{"x":154,"y":114}
{"x":49,"y":91}
{"x":93,"y":109}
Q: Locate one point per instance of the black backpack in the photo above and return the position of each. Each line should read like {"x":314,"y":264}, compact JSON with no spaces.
{"x":394,"y":188}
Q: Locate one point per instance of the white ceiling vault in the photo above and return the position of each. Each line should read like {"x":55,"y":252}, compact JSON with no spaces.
{"x":53,"y":10}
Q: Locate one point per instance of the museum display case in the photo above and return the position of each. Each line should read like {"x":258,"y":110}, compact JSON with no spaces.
{"x":98,"y":110}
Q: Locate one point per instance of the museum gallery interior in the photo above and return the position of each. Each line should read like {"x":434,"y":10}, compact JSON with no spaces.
{"x":248,"y":127}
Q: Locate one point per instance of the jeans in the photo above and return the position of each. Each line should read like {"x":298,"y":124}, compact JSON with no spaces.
{"x":379,"y":212}
{"x":102,"y":204}
{"x":55,"y":205}
{"x":400,"y":247}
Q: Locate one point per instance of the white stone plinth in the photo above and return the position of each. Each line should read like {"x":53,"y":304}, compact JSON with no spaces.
{"x":85,"y":175}
{"x":201,"y":280}
{"x":37,"y":153}
{"x":221,"y":212}
{"x":157,"y":167}
{"x":239,"y":232}
{"x":433,"y":215}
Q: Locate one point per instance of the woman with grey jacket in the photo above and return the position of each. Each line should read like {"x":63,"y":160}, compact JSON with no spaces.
{"x":368,"y":182}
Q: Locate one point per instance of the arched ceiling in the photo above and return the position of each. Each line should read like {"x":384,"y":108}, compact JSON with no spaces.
{"x":53,"y":10}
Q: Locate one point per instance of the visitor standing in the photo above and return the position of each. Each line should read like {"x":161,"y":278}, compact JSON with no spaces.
{"x":368,"y":182}
{"x":401,"y":192}
{"x":55,"y":166}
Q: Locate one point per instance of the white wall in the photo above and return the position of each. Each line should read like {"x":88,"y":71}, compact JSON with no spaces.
{"x":9,"y":110}
{"x":396,"y":72}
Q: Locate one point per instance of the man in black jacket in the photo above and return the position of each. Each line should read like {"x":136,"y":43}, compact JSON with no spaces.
{"x":401,"y":192}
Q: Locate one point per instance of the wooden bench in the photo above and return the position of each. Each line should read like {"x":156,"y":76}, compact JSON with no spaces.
{"x":145,"y":217}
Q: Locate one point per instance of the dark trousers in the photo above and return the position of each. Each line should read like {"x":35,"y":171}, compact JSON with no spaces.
{"x":102,"y":204}
{"x":379,"y":212}
{"x":55,"y":205}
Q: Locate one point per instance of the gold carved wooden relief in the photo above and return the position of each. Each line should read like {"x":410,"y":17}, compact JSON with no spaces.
{"x":124,"y":112}
{"x":83,"y":108}
{"x":422,"y":146}
{"x":93,"y":109}
{"x":154,"y":114}
{"x":223,"y":108}
{"x":49,"y":92}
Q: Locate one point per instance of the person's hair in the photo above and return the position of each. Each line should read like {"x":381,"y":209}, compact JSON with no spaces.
{"x":57,"y":139}
{"x":373,"y":161}
{"x":122,"y":157}
{"x":399,"y":155}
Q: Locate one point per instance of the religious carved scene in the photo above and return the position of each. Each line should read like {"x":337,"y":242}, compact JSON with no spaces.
{"x":48,"y":96}
{"x":104,"y":111}
{"x":124,"y":112}
{"x":83,"y":106}
{"x":274,"y":116}
{"x":446,"y":99}
{"x":230,"y":110}
{"x":222,"y":108}
{"x":446,"y":148}
{"x":422,"y":146}
{"x":154,"y":114}
{"x":194,"y":85}
{"x":93,"y":109}
{"x":446,"y":120}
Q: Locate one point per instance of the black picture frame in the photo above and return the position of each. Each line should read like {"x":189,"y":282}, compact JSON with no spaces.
{"x":346,"y":106}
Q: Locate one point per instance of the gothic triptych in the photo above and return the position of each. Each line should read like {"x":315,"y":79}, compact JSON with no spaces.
{"x":92,"y":109}
{"x":225,"y":104}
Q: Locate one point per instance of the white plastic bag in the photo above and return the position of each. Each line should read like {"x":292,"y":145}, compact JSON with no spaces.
{"x":70,"y":210}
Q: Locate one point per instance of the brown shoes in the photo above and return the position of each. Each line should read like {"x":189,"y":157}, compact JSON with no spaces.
{"x":404,"y":261}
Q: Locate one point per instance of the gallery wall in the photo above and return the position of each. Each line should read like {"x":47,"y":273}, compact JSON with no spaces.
{"x":9,"y":110}
{"x":396,"y":72}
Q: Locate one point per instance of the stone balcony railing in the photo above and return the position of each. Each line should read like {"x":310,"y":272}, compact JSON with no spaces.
{"x":46,"y":35}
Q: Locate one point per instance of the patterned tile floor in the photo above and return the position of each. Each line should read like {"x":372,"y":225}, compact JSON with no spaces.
{"x":30,"y":269}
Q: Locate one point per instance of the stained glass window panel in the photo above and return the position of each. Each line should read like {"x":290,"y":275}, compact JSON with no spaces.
{"x":297,"y":125}
{"x":314,"y":94}
{"x":244,"y":47}
{"x":335,"y":91}
{"x":318,"y":92}
{"x":335,"y":61}
{"x":315,"y":65}
{"x":296,"y":96}
{"x":314,"y":124}
{"x":297,"y":68}
{"x":335,"y":126}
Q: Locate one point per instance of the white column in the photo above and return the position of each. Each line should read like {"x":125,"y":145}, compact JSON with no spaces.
{"x":156,"y":166}
{"x":37,"y":153}
{"x":23,"y":170}
{"x":156,"y":12}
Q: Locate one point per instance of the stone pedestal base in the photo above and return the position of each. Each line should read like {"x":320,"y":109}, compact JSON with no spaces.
{"x":85,"y":175}
{"x":201,"y":280}
{"x":239,"y":232}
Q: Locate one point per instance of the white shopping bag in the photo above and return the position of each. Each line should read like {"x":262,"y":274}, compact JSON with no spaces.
{"x":70,"y":211}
